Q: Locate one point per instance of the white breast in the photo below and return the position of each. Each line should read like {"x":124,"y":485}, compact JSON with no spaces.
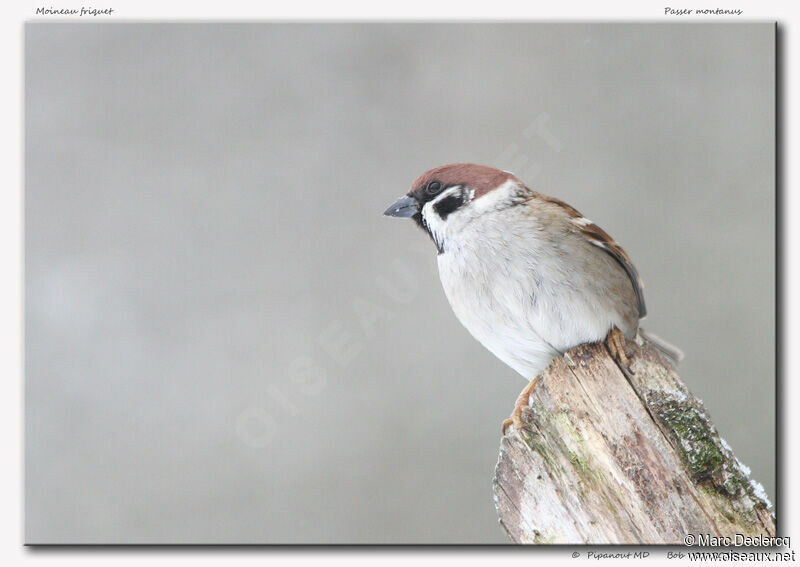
{"x":518,"y":294}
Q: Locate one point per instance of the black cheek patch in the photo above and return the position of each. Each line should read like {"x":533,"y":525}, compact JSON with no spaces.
{"x":448,"y":205}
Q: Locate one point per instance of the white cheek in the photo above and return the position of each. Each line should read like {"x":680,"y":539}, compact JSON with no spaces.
{"x":436,"y":225}
{"x":439,"y":227}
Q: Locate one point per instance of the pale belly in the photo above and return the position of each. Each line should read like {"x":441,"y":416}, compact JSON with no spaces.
{"x":520,"y":317}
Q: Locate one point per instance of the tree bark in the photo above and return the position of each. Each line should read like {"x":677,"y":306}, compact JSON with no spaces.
{"x":610,"y":454}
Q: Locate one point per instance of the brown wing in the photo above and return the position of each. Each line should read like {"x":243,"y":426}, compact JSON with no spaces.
{"x":600,"y":238}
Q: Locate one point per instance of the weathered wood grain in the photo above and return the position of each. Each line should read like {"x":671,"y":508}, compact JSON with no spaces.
{"x":621,"y":455}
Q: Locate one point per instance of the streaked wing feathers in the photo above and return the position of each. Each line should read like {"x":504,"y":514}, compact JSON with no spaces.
{"x":600,"y":238}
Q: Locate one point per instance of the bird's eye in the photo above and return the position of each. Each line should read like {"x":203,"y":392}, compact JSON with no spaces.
{"x":433,"y":187}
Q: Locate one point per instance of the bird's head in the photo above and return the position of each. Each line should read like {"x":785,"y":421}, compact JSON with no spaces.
{"x":445,"y":198}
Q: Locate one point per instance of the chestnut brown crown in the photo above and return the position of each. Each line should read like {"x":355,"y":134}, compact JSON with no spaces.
{"x":479,"y":178}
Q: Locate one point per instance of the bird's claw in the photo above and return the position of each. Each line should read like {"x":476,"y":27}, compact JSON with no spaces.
{"x":515,"y":421}
{"x":522,"y":402}
{"x":615,"y":341}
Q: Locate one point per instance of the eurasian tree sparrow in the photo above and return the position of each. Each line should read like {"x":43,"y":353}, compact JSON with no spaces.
{"x":526,"y":274}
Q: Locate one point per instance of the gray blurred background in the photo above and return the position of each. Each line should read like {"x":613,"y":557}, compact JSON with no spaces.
{"x":227,"y":342}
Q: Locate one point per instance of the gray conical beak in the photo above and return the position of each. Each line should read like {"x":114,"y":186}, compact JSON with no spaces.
{"x":405,"y":207}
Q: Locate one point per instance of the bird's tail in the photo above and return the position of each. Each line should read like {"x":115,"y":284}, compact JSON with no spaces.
{"x":671,"y":351}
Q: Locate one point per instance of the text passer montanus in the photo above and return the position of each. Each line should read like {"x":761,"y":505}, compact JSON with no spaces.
{"x":526,"y":274}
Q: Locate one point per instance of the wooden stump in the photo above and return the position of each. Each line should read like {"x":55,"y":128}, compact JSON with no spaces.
{"x":626,"y":456}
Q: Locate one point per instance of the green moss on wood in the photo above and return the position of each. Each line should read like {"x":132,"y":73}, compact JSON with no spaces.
{"x":560,"y":422}
{"x":698,"y":443}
